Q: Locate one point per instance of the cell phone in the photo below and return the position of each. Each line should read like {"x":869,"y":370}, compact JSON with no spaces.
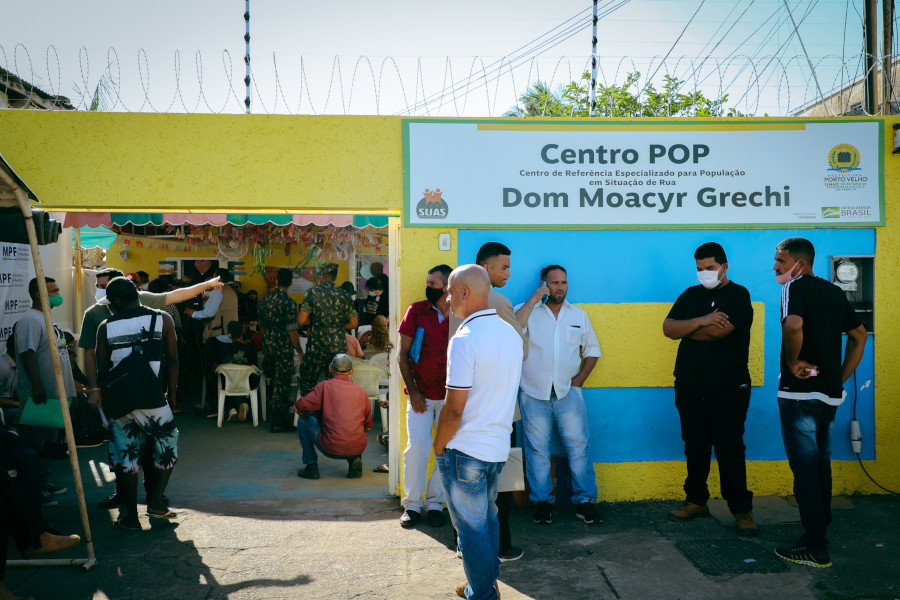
{"x":812,"y":372}
{"x":545,"y":296}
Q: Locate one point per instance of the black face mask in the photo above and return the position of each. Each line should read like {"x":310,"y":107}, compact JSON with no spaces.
{"x":433,"y":294}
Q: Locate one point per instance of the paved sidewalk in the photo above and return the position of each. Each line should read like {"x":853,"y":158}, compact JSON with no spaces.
{"x":274,"y":536}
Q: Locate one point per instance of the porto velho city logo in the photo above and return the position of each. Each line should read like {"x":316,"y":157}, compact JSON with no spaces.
{"x":831,"y":212}
{"x":843,"y":158}
{"x":432,"y":206}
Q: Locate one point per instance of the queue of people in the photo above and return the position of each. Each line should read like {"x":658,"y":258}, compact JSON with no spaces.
{"x":467,"y":375}
{"x":475,"y":368}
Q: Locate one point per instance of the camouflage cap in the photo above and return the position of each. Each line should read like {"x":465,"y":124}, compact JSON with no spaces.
{"x":328,"y":269}
{"x":341,"y":363}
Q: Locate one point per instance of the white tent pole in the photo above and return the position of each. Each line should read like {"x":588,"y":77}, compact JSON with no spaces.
{"x":25,"y":207}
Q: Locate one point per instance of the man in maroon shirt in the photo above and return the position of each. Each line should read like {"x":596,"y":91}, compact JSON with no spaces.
{"x":334,"y":417}
{"x":422,"y":361}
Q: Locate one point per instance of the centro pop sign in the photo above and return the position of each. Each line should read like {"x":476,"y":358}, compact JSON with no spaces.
{"x":432,"y":206}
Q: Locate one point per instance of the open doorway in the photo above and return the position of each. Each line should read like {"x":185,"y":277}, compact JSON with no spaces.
{"x":252,"y":248}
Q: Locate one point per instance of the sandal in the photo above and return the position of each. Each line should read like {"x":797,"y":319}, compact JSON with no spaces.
{"x":169,"y":514}
{"x":381,"y":468}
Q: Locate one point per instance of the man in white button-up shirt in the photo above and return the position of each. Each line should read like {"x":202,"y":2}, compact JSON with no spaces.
{"x":562,"y":352}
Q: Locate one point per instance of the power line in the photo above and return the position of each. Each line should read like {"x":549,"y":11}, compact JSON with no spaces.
{"x":688,"y":24}
{"x":492,"y":72}
{"x":498,"y":63}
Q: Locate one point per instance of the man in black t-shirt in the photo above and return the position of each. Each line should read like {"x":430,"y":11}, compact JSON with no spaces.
{"x":814,"y":314}
{"x":712,"y":385}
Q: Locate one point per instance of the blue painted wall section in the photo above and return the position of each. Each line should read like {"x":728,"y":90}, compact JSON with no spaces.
{"x":635,"y":266}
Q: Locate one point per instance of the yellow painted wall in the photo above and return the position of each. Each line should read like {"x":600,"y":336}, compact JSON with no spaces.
{"x":228,"y":163}
{"x":241,"y":163}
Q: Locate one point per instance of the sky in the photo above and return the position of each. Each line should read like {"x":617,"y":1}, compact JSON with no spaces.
{"x":384,"y":58}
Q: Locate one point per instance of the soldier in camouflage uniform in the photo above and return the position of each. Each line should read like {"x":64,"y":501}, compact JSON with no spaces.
{"x":278,"y":319}
{"x":329,"y":312}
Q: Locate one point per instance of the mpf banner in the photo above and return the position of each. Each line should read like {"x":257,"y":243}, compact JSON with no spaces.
{"x":16,"y":270}
{"x":644,"y":173}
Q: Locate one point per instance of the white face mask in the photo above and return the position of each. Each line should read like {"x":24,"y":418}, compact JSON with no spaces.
{"x":100,"y":294}
{"x":145,"y":286}
{"x":709,"y":279}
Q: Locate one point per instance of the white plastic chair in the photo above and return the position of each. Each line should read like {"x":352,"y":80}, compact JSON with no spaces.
{"x":237,"y":383}
{"x":368,"y":375}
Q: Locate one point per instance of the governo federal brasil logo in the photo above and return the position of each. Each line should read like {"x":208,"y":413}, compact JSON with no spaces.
{"x":843,"y":158}
{"x":432,"y":206}
{"x":831,"y":212}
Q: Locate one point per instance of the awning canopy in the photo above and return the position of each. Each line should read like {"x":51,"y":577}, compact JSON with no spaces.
{"x":86,"y":219}
{"x":96,"y":237}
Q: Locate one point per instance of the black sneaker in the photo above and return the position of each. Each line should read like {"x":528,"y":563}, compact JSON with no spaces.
{"x":802,"y":555}
{"x":355,"y":469}
{"x":311,"y":471}
{"x":409,"y":518}
{"x":510,"y":554}
{"x":435,"y":518}
{"x":112,"y":501}
{"x":54,"y":489}
{"x":587,"y":512}
{"x":542,"y":514}
{"x":87,"y":441}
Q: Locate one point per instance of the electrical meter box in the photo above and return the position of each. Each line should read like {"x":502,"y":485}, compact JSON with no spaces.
{"x":855,"y":274}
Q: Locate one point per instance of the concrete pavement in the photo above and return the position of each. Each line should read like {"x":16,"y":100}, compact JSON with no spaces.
{"x":248,"y":528}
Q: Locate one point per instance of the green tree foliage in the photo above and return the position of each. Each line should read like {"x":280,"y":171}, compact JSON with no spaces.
{"x":626,"y":100}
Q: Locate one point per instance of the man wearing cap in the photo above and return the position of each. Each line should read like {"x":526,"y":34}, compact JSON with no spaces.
{"x":334,"y":417}
{"x":328,"y":312}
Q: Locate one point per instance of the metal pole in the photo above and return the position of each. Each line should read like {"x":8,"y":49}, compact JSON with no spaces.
{"x":808,"y":60}
{"x":871,"y":48}
{"x":594,"y":65}
{"x":247,"y":55}
{"x":887,"y":43}
{"x":79,"y":286}
{"x":25,"y":207}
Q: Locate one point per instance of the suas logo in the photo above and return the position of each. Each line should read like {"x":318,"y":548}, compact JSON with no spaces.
{"x":432,"y":206}
{"x":843,"y":158}
{"x":831,"y":212}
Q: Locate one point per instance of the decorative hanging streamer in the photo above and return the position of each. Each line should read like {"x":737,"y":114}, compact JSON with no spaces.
{"x":314,"y":244}
{"x":187,"y":245}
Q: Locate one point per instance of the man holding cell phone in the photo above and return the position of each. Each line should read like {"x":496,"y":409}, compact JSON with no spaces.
{"x":422,"y":362}
{"x":562,"y":351}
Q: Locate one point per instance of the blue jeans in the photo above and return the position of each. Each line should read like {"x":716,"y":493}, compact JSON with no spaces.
{"x":470,"y":489}
{"x":806,"y":427}
{"x":570,"y":416}
{"x":308,"y":431}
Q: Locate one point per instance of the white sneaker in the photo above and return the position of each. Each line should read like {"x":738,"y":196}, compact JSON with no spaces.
{"x":232,"y":415}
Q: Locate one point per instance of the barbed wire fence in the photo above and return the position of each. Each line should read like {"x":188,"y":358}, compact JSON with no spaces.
{"x":283,"y":83}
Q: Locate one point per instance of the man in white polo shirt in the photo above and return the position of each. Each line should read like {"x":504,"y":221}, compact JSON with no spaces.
{"x":471,"y":444}
{"x":562,"y":352}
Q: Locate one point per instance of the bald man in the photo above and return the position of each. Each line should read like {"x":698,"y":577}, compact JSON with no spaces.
{"x":484,"y":361}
